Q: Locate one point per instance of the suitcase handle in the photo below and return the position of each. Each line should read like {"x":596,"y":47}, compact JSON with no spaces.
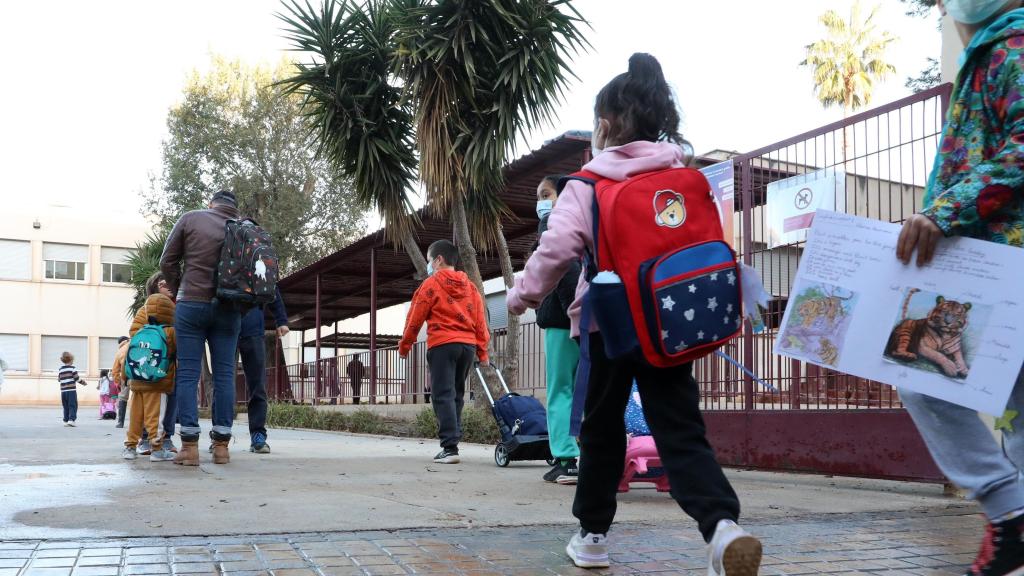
{"x":483,"y":383}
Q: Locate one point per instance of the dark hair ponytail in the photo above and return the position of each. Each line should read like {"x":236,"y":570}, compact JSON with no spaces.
{"x":640,"y":103}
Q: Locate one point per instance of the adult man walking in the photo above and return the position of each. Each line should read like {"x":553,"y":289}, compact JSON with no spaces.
{"x":356,"y":371}
{"x":189,"y":264}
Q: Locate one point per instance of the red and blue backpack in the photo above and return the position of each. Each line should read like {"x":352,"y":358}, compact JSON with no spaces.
{"x":679,"y":295}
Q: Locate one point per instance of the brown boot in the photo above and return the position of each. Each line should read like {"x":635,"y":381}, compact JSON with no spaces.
{"x":220,"y":452}
{"x":189,"y":453}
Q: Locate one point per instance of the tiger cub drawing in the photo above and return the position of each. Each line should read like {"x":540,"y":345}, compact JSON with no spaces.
{"x":936,"y":338}
{"x":829,"y":307}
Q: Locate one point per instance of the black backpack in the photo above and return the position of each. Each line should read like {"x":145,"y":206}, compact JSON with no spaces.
{"x":248,"y":271}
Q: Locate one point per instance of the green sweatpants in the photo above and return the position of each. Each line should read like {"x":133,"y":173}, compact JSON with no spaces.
{"x":562,"y":354}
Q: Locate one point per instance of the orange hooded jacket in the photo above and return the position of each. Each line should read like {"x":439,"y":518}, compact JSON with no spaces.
{"x":453,"y":310}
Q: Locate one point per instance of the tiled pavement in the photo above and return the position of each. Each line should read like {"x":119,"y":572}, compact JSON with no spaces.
{"x":913,"y":543}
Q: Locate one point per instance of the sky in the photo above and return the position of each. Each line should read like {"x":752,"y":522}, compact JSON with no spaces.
{"x":88,"y":84}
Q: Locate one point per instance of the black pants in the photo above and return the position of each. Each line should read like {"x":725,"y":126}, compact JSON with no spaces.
{"x":122,"y":409}
{"x":670,"y":399}
{"x":449,"y":366}
{"x":69,"y":400}
{"x":254,"y":364}
{"x":357,"y":384}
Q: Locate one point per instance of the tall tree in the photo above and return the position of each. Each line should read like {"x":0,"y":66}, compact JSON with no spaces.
{"x":235,"y":129}
{"x":466,"y":77}
{"x":931,"y":75}
{"x":849,"y":60}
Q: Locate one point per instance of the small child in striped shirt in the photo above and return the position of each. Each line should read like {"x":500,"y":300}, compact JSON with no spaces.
{"x":68,"y":377}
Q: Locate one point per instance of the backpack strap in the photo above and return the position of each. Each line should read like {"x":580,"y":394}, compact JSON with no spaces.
{"x":579,"y":395}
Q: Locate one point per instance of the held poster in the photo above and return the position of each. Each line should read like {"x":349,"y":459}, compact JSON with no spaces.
{"x":951,"y":329}
{"x":721,"y":178}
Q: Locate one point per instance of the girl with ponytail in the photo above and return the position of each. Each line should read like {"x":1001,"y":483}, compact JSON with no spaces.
{"x":636,"y":131}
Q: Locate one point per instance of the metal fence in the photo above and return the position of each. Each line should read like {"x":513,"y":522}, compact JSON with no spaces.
{"x":885,"y":156}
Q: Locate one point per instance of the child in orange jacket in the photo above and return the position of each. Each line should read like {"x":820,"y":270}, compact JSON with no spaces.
{"x":453,"y":310}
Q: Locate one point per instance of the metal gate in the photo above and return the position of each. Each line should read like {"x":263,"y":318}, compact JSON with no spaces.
{"x":819,"y":420}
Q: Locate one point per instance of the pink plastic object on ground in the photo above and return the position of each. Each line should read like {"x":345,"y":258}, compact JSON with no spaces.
{"x":643,"y":464}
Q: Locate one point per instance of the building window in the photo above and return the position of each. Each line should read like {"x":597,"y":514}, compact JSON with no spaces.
{"x":65,"y":261}
{"x":55,"y":346}
{"x":14,"y":351}
{"x":108,"y":350}
{"x":15,"y":260}
{"x":115,"y":265}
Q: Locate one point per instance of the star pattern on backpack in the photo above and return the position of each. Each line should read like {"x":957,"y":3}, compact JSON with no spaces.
{"x":668,"y":303}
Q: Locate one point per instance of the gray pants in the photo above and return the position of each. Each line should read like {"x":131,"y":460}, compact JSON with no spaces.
{"x":968,"y":454}
{"x":449,"y":367}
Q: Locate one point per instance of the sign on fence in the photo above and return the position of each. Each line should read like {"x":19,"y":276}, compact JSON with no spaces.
{"x":952,"y":329}
{"x":721,"y":177}
{"x":792,"y":203}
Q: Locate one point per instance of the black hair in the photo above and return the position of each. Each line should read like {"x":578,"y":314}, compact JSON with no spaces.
{"x":446,"y":250}
{"x":639,"y":103}
{"x":104,"y":373}
{"x":553,"y":179}
{"x":153,"y":283}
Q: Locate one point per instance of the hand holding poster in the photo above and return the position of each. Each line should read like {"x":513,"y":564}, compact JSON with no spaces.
{"x":951,"y":329}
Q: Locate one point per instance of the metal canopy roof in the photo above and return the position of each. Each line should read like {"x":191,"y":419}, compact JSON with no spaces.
{"x":345,"y":275}
{"x":353,"y":341}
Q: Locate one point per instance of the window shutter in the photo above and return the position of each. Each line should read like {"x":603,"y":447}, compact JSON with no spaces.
{"x":115,"y":255}
{"x":54,"y":346}
{"x":15,"y":260}
{"x":14,"y":351}
{"x":498,"y":311}
{"x":65,"y":252}
{"x":108,"y":349}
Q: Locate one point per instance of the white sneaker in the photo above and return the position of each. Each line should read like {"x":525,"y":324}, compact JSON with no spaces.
{"x":161,"y":456}
{"x":588,"y":550}
{"x":129,"y":453}
{"x":733,"y":551}
{"x":144,"y":449}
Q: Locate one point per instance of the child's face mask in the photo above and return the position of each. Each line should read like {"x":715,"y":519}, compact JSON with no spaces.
{"x":973,"y":11}
{"x":544,"y":208}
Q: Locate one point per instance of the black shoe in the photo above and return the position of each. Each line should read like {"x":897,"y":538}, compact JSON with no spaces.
{"x":1002,"y":550}
{"x":552,"y":475}
{"x":569,"y":473}
{"x":447,"y":456}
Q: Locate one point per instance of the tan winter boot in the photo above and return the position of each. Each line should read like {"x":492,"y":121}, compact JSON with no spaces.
{"x":220,"y":452}
{"x":189,"y":453}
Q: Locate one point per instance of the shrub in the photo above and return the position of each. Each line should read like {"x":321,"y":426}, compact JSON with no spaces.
{"x":366,"y":422}
{"x":425,"y":424}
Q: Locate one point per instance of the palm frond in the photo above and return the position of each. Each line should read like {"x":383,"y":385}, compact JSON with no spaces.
{"x":144,"y":261}
{"x":356,"y":111}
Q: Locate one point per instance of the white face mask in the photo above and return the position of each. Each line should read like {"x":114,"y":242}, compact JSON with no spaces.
{"x":594,"y":148}
{"x":973,"y":11}
{"x":544,"y":208}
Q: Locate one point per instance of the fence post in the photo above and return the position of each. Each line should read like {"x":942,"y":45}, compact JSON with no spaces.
{"x":373,"y":325}
{"x":747,"y":201}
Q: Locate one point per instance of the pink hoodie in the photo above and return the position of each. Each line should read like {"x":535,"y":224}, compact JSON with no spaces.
{"x":571,"y":224}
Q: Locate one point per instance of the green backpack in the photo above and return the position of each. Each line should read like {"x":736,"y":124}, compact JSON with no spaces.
{"x":148,"y":359}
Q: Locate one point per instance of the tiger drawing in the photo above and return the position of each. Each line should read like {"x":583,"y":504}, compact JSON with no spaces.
{"x":828,"y":307}
{"x":936,"y":338}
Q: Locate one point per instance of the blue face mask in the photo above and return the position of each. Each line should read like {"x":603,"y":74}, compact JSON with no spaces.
{"x":430,"y":268}
{"x":973,"y":11}
{"x":544,"y":208}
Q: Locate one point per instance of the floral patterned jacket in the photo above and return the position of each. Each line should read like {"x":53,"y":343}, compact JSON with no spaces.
{"x":977,"y":183}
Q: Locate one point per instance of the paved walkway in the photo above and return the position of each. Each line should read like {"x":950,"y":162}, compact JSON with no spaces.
{"x":327,"y":504}
{"x":921,"y":544}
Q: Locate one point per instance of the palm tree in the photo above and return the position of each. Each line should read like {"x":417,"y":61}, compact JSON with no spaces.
{"x":359,"y":114}
{"x":849,"y":60}
{"x":483,"y":71}
{"x":144,"y":261}
{"x":467,"y":76}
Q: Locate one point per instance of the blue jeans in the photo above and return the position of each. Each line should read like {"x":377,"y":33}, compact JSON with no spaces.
{"x":195,"y":324}
{"x":254,"y":362}
{"x":69,"y":400}
{"x":967,"y":453}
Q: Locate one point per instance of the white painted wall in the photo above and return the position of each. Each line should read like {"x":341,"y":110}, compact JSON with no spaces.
{"x":41,"y":307}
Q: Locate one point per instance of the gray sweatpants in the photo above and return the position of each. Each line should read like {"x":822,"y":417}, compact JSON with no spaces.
{"x":449,"y":367}
{"x":967,"y":452}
